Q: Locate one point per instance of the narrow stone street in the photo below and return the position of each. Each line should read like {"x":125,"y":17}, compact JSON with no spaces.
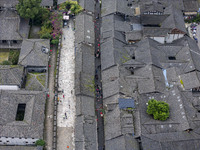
{"x":99,"y":92}
{"x":48,"y":134}
{"x":66,"y":98}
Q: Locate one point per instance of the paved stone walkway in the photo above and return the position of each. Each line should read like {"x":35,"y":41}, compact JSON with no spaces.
{"x":66,"y":104}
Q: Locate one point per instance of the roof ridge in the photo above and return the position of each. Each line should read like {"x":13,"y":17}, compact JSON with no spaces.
{"x":14,"y":76}
{"x":29,"y":51}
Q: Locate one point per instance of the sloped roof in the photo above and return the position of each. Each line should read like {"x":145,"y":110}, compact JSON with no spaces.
{"x":35,"y":82}
{"x":32,"y":126}
{"x":88,"y":5}
{"x":176,"y":3}
{"x":10,"y":3}
{"x":47,"y":3}
{"x":31,"y":53}
{"x":147,"y":51}
{"x":152,"y":79}
{"x":18,"y":147}
{"x":175,"y":140}
{"x":153,"y":7}
{"x":9,"y":25}
{"x":155,"y":31}
{"x":190,"y":5}
{"x":175,"y":18}
{"x":153,"y":19}
{"x":11,"y":75}
{"x":191,"y":80}
{"x":133,"y":35}
{"x":113,"y":6}
{"x":85,"y":133}
{"x":84,"y":28}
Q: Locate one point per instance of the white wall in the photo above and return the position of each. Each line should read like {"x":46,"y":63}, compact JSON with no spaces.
{"x":9,"y":87}
{"x":159,"y":39}
{"x":171,"y":37}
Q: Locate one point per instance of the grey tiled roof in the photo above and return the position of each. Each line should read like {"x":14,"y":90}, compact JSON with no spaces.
{"x":88,"y":5}
{"x":33,"y":84}
{"x":11,"y":75}
{"x":133,"y":35}
{"x":112,"y":127}
{"x":85,"y":133}
{"x":176,"y":140}
{"x":31,"y":53}
{"x":152,"y":79}
{"x":191,"y":80}
{"x":32,"y":125}
{"x":18,"y":148}
{"x":10,"y":3}
{"x":113,"y":6}
{"x":147,"y":52}
{"x":47,"y":3}
{"x":191,"y":5}
{"x":153,"y":7}
{"x":84,"y":69}
{"x":84,"y":28}
{"x":153,"y":19}
{"x":176,"y":19}
{"x":155,"y":32}
{"x":9,"y":25}
{"x":85,"y":106}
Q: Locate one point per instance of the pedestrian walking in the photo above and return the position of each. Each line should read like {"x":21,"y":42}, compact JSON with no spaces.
{"x":64,"y":38}
{"x":65,"y":115}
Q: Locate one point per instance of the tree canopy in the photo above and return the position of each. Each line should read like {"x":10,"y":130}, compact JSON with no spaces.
{"x":72,"y":6}
{"x":40,"y":142}
{"x":28,"y":8}
{"x":159,"y":109}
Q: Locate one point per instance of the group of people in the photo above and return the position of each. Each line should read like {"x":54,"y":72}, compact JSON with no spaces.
{"x":97,"y":54}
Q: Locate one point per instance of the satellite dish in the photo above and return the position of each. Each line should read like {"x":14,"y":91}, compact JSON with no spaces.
{"x":45,"y":50}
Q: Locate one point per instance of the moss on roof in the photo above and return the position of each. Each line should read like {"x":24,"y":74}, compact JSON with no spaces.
{"x":35,"y":81}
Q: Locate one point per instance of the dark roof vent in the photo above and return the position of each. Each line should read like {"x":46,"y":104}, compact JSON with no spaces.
{"x":172,"y":58}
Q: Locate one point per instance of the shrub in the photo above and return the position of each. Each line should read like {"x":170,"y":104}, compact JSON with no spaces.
{"x":45,"y":32}
{"x":6,"y":62}
{"x":159,"y":109}
{"x":40,"y":142}
{"x":72,"y":6}
{"x":55,"y":41}
{"x":14,"y":56}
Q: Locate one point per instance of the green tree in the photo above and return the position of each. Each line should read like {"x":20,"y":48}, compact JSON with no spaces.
{"x":28,"y":8}
{"x":73,"y":6}
{"x":6,"y":62}
{"x":45,"y":32}
{"x":40,"y":142}
{"x":55,"y":41}
{"x":14,"y":56}
{"x":42,"y":17}
{"x":159,"y":109}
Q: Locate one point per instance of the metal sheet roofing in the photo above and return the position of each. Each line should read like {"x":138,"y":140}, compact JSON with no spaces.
{"x":126,"y":103}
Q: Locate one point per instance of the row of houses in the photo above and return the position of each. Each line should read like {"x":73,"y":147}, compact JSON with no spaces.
{"x":148,"y":56}
{"x":23,"y":86}
{"x":85,"y":121}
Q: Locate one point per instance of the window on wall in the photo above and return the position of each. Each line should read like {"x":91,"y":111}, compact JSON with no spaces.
{"x":20,"y":112}
{"x":4,"y":41}
{"x":172,"y":58}
{"x":14,"y":41}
